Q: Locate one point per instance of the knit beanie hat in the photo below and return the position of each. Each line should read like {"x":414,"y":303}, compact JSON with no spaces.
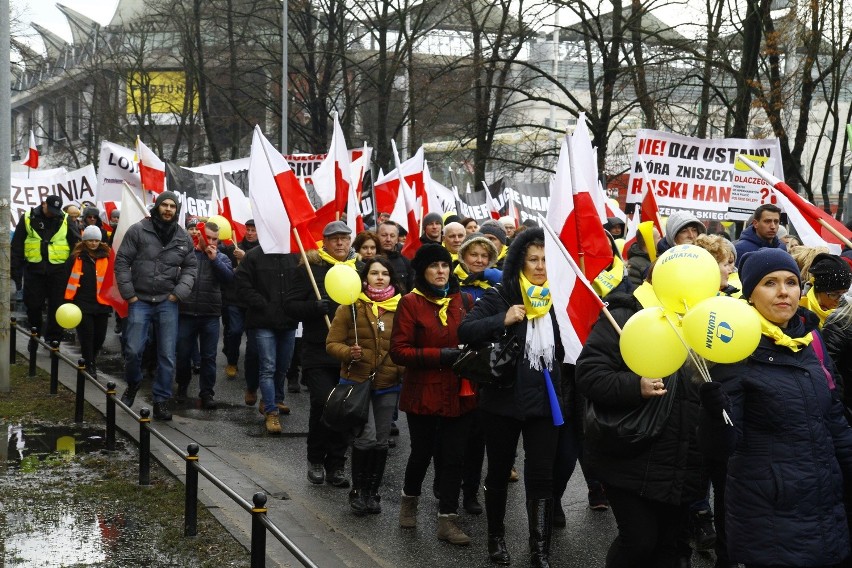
{"x":680,"y":220}
{"x":478,"y":239}
{"x":162,"y":197}
{"x":432,"y":218}
{"x":92,"y":233}
{"x":493,"y":228}
{"x":757,"y":264}
{"x":830,"y":273}
{"x":427,"y":254}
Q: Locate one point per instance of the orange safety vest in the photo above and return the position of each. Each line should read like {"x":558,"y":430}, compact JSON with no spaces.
{"x":101,"y":265}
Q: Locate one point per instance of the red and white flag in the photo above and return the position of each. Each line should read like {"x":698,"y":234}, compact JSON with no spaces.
{"x":584,"y":167}
{"x":152,"y":169}
{"x":236,"y":208}
{"x":32,"y":153}
{"x":278,"y":201}
{"x":810,"y":237}
{"x":631,"y":233}
{"x":412,"y":225}
{"x":389,"y":199}
{"x":493,"y":210}
{"x":576,"y":303}
{"x":573,"y":215}
{"x":331,"y":179}
{"x":649,"y":209}
{"x":132,"y":211}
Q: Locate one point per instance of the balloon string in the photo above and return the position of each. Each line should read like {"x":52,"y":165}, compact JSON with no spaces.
{"x":699,"y":362}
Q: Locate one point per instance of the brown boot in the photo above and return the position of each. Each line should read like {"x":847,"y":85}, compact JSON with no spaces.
{"x":251,"y":397}
{"x":449,"y":530}
{"x":408,"y":511}
{"x":273,"y":425}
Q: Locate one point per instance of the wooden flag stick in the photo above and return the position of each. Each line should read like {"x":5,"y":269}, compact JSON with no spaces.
{"x":310,"y":272}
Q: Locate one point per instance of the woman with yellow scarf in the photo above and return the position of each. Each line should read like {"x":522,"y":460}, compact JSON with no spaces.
{"x":521,"y":306}
{"x":790,"y":446}
{"x":830,"y":278}
{"x":359,"y":338}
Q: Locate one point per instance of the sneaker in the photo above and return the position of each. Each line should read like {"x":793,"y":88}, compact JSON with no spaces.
{"x":161,"y":411}
{"x":703,"y":531}
{"x":513,"y":475}
{"x":448,"y":529}
{"x":273,"y":425}
{"x":337,"y":478}
{"x":231,"y":371}
{"x":251,"y":397}
{"x":316,"y":473}
{"x":208,"y":402}
{"x":129,"y":395}
{"x":597,"y":498}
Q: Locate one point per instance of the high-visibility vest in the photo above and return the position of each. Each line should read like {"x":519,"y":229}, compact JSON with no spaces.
{"x":101,"y":265}
{"x":58,"y":250}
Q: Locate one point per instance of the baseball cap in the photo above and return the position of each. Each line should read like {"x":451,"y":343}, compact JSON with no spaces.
{"x":54,"y":204}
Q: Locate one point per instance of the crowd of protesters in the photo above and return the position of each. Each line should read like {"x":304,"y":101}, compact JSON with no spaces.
{"x":780,"y":470}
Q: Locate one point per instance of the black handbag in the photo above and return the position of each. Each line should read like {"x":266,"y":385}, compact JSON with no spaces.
{"x":628,"y":433}
{"x":493,"y":364}
{"x":347,"y":406}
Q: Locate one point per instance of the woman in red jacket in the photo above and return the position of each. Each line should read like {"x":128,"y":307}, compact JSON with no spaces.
{"x":425,"y":341}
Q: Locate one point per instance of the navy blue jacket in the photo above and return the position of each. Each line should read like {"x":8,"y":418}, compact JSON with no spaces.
{"x":791,"y":447}
{"x":749,"y":241}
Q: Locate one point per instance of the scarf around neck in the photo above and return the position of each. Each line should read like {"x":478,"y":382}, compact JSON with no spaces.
{"x":331,"y":260}
{"x":389,"y":304}
{"x":776,"y":334}
{"x":537,"y":299}
{"x":442,"y":303}
{"x":810,"y":302}
{"x":608,"y":280}
{"x":463,"y":277}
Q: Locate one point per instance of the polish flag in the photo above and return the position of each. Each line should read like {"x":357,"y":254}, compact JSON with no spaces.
{"x":650,"y":210}
{"x":152,"y":169}
{"x":576,"y":303}
{"x":389,"y":199}
{"x":132,"y":211}
{"x":810,"y":237}
{"x":612,"y":208}
{"x":441,"y":198}
{"x":279,"y":203}
{"x":236,"y":208}
{"x":631,"y":233}
{"x":331,"y":179}
{"x":32,"y":154}
{"x":584,"y":167}
{"x":573,"y":215}
{"x":493,"y":210}
{"x":412,"y":242}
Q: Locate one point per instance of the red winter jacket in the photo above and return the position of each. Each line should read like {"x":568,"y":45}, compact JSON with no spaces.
{"x":418,"y":336}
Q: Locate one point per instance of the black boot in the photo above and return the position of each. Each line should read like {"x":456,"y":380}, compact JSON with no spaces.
{"x":161,"y":411}
{"x":374,"y":480}
{"x":130,"y":394}
{"x":360,"y":462}
{"x":495,"y":512}
{"x":540,"y":519}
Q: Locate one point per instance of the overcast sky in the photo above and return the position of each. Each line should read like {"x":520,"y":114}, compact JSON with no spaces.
{"x":45,"y":13}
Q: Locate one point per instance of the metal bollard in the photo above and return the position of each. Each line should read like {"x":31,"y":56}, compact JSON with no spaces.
{"x":258,"y":531}
{"x":81,"y":391}
{"x":54,"y":367}
{"x":13,"y":341}
{"x":110,"y":416}
{"x":144,"y":447}
{"x":32,"y":348}
{"x":190,"y":514}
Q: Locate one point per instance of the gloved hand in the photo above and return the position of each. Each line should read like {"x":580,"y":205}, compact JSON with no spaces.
{"x":449,"y":356}
{"x":712,"y":398}
{"x":323,"y":306}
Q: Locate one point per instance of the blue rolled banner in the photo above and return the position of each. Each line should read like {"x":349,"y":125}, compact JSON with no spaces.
{"x":554,"y":400}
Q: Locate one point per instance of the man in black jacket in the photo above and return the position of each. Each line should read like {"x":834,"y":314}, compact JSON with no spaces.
{"x":388,"y":240}
{"x":198,"y":322}
{"x":263,"y":281}
{"x":321,"y":371}
{"x":44,"y":238}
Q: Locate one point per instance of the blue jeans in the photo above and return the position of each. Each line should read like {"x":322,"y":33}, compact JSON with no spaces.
{"x":164,"y":317}
{"x":191,"y":331}
{"x":233,"y":334}
{"x":274,"y":352}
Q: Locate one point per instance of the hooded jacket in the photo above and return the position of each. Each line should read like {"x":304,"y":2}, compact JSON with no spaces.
{"x":205,"y":300}
{"x":45,"y":227}
{"x":638,"y":262}
{"x":749,"y":241}
{"x":93,"y":211}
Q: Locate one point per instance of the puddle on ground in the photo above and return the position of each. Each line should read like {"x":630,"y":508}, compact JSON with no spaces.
{"x":30,"y":446}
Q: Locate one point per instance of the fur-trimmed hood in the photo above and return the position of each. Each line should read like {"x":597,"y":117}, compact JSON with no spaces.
{"x":514,"y":262}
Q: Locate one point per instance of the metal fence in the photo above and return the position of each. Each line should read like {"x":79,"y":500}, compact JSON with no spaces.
{"x":260,"y":523}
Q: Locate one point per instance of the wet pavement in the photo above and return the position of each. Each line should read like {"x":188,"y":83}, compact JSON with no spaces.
{"x":236,"y":448}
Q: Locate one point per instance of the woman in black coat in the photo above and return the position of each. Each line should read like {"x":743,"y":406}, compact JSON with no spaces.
{"x":521,"y":306}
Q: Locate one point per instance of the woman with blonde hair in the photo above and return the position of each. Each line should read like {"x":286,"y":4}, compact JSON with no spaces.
{"x":725,"y":255}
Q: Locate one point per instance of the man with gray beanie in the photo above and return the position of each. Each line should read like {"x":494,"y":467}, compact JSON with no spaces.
{"x":433,"y":224}
{"x":155,"y":268}
{"x":682,"y":227}
{"x":495,"y":233}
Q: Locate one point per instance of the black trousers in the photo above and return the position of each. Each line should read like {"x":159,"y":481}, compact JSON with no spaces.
{"x":474,"y":457}
{"x":501,"y":441}
{"x":325,"y":446}
{"x":444,"y":436}
{"x":647,"y":531}
{"x":41,"y":287}
{"x":91,"y":334}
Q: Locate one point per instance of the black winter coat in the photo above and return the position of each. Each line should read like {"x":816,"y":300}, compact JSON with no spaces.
{"x":263,"y":281}
{"x":402,"y":268}
{"x":792,"y":448}
{"x":669,"y":471}
{"x":837,"y":334}
{"x":45,"y":227}
{"x":205,"y":299}
{"x":230,"y":294}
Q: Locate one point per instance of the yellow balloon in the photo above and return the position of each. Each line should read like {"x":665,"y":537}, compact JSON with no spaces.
{"x":224,"y":227}
{"x":619,"y":243}
{"x":651,"y":345}
{"x":722,"y":329}
{"x":684,"y":275}
{"x":343,"y":284}
{"x":68,"y":315}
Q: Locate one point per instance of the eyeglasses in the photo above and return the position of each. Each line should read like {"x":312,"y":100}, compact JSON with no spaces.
{"x":834,"y":295}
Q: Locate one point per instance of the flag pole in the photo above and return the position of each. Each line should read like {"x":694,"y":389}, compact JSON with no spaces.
{"x":585,"y":282}
{"x":310,"y":272}
{"x":773,"y":181}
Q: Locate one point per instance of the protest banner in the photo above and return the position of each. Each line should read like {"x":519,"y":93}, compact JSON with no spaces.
{"x":693,"y":174}
{"x":194,"y":190}
{"x":749,"y":190}
{"x":73,"y":187}
{"x":529,"y":199}
{"x":116,"y":165}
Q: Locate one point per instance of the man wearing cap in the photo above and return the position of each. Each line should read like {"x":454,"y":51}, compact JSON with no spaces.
{"x":320,"y":371}
{"x":388,"y":244}
{"x":433,"y":224}
{"x":155,"y":268}
{"x":262,"y":284}
{"x":44,"y":238}
{"x":762,"y":233}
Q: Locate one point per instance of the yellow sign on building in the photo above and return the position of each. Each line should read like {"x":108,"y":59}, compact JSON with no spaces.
{"x":157,"y":92}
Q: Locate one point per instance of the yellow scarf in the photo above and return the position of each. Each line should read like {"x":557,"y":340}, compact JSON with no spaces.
{"x":607,"y":280}
{"x":777,"y":335}
{"x":537,"y":299}
{"x":388,"y":305}
{"x":442,"y":303}
{"x":463,"y":276}
{"x":502,"y":254}
{"x":810,"y":302}
{"x":331,"y":260}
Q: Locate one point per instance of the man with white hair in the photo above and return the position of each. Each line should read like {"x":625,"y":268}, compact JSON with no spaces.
{"x":454,"y":234}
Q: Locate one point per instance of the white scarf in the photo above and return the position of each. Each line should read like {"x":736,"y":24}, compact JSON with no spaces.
{"x":540,"y":348}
